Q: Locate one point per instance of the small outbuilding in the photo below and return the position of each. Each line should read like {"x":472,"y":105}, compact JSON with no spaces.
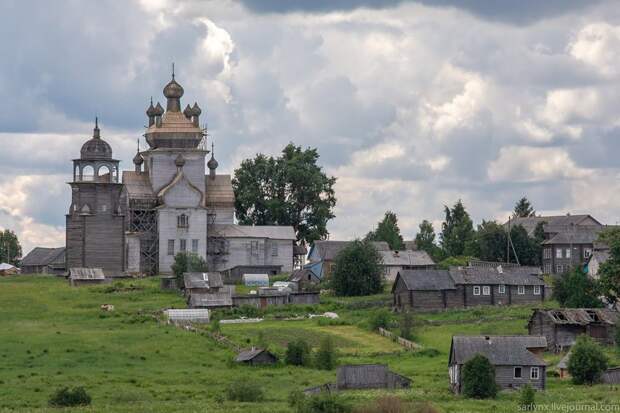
{"x":363,"y":376}
{"x":187,"y":316}
{"x":563,"y":366}
{"x":86,"y":276}
{"x":517,"y":359}
{"x":611,"y":376}
{"x":202,"y":282}
{"x":43,"y":260}
{"x":304,"y":278}
{"x":8,"y":269}
{"x":561,"y":326}
{"x":256,"y":280}
{"x":256,"y":356}
{"x":220,"y":299}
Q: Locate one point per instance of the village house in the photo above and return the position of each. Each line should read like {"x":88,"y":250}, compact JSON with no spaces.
{"x":363,"y":376}
{"x":395,"y":261}
{"x":256,"y":357}
{"x":305,"y":279}
{"x":600,"y":254}
{"x":44,"y":261}
{"x":517,"y":359}
{"x":561,"y":326}
{"x":461,"y":287}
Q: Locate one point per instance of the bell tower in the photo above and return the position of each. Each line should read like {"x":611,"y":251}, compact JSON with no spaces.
{"x":95,"y":223}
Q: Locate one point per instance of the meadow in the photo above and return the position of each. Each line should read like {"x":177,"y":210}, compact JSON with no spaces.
{"x":52,"y":335}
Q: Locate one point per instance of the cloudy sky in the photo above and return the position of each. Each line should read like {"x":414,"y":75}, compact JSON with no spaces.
{"x":412,"y":104}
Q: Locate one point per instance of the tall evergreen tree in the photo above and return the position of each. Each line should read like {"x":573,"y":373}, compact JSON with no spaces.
{"x":288,"y":190}
{"x":524,"y":208}
{"x":10,"y":248}
{"x":425,"y":239}
{"x":387,"y":230}
{"x":457,"y":230}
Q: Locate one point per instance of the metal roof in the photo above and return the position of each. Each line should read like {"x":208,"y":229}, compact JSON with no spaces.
{"x":253,"y":231}
{"x":42,"y":256}
{"x":138,"y":185}
{"x":219,"y":191}
{"x":500,"y":350}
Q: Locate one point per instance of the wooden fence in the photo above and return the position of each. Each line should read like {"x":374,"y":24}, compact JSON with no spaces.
{"x":410,"y":345}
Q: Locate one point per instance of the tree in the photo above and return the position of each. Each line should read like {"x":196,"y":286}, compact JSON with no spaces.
{"x":457,"y":230}
{"x":490,"y":242}
{"x":576,"y":290}
{"x":10,"y":249}
{"x":326,"y":355}
{"x":587,"y":361}
{"x":609,"y":271}
{"x":297,"y":353}
{"x":479,"y":378}
{"x":526,"y":247}
{"x":388,"y":231}
{"x":425,"y":240}
{"x":524,"y":209}
{"x":289,"y":190}
{"x":187,"y":262}
{"x":357,"y":270}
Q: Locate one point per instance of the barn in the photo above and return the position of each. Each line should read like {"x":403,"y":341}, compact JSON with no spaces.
{"x":561,"y":326}
{"x":44,"y":261}
{"x":256,"y":357}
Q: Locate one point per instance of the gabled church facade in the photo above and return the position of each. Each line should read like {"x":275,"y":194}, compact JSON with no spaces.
{"x":166,"y":205}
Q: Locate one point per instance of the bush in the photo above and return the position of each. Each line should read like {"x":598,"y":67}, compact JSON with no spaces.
{"x":320,"y":403}
{"x":427,"y":352}
{"x":385,"y":404}
{"x":479,"y":378}
{"x":326,"y":356}
{"x":380,"y":318}
{"x":66,"y":397}
{"x":587,"y":361}
{"x":244,"y":390}
{"x":187,"y":262}
{"x":357,"y":270}
{"x":297,"y":353}
{"x":526,"y":398}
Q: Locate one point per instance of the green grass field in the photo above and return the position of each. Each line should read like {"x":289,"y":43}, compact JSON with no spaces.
{"x":52,"y":335}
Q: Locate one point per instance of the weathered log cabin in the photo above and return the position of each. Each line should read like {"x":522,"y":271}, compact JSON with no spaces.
{"x":256,"y":357}
{"x":460,"y":287}
{"x":517,"y":359}
{"x":44,"y":261}
{"x":562,"y":326}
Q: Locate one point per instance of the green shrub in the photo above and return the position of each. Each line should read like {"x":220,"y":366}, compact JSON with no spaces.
{"x":326,"y":355}
{"x":320,"y":403}
{"x":587,"y":361}
{"x":244,"y":390}
{"x":427,"y":352}
{"x":380,"y":318}
{"x":297,"y":353}
{"x":527,"y":398}
{"x":66,"y":397}
{"x":187,"y":262}
{"x":479,"y":378}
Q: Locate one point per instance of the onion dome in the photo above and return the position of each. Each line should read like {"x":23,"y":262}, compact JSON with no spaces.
{"x":138,"y":160}
{"x":159,"y":110}
{"x":188,"y":112}
{"x":173,"y":90}
{"x":151,"y":111}
{"x":212,"y":164}
{"x":196,"y":110}
{"x":96,"y":148}
{"x":179,"y":161}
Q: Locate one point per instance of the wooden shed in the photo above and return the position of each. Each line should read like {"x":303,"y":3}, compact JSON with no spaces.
{"x":256,"y":356}
{"x":43,"y":260}
{"x":517,"y":359}
{"x":561,"y":326}
{"x":305,"y":279}
{"x":86,"y":276}
{"x":611,"y":376}
{"x":369,"y":376}
{"x":8,"y":269}
{"x":563,"y":366}
{"x":202,"y":282}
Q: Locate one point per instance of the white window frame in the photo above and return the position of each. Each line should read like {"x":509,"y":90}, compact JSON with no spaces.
{"x":559,"y":269}
{"x":486,"y":290}
{"x":170,"y":247}
{"x":476,"y":288}
{"x":183,"y":221}
{"x":537,"y":371}
{"x":514,"y":372}
{"x":183,"y":245}
{"x":501,"y":289}
{"x":195,"y":246}
{"x":521,"y":290}
{"x":558,"y":252}
{"x":274,"y":249}
{"x":537,"y":290}
{"x":568,"y":252}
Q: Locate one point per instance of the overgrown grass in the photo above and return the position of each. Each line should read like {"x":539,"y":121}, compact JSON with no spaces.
{"x":54,"y":336}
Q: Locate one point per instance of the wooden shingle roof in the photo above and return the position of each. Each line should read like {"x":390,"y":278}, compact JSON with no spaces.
{"x":500,"y":350}
{"x":42,"y":256}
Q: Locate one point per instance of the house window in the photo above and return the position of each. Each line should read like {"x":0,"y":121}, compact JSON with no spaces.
{"x":274,"y":249}
{"x":183,"y":245}
{"x":567,"y":252}
{"x":501,"y":289}
{"x":517,"y":372}
{"x":537,"y":290}
{"x":104,"y":208}
{"x":254,"y":248}
{"x":476,"y":290}
{"x":534,"y":373}
{"x":547,"y":253}
{"x":486,"y":290}
{"x":195,"y":246}
{"x":182,"y":221}
{"x":558,"y":253}
{"x":170,"y":247}
{"x":547,"y":268}
{"x":559,"y":269}
{"x":587,"y":252}
{"x":521,"y":290}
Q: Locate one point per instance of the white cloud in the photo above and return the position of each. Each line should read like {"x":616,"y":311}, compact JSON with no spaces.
{"x":598,"y":44}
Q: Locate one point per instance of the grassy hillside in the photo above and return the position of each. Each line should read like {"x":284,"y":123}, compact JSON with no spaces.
{"x":52,"y":335}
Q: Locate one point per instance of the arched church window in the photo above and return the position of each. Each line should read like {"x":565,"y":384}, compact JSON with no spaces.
{"x":88,"y":173}
{"x":104,"y":174}
{"x":182,"y":221}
